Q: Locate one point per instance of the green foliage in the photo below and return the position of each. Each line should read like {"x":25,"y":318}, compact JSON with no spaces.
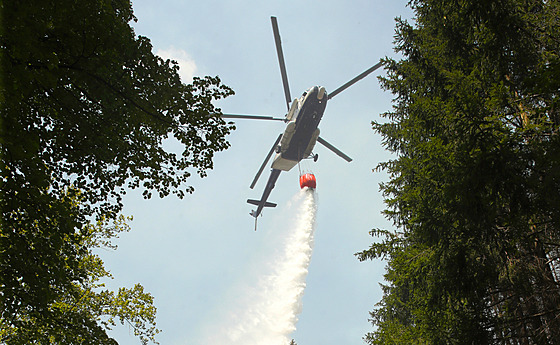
{"x":87,"y":111}
{"x":474,"y":190}
{"x":82,"y":312}
{"x":86,"y":103}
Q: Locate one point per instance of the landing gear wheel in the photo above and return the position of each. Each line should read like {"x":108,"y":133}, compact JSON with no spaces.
{"x":315,"y":157}
{"x":278,"y":149}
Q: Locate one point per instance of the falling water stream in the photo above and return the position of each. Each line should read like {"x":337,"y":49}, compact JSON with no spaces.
{"x":272,"y":313}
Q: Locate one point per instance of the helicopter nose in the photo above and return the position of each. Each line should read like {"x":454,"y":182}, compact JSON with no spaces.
{"x":321,"y":93}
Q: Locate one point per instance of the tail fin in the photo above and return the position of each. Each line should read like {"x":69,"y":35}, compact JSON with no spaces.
{"x":257,"y":202}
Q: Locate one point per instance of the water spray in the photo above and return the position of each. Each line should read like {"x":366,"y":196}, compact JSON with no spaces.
{"x":272,"y":313}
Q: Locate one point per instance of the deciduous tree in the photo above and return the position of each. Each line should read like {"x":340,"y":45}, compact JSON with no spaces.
{"x":83,"y":311}
{"x":86,"y":111}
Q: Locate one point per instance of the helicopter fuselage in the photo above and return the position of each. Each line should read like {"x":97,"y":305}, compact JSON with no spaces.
{"x":301,"y":133}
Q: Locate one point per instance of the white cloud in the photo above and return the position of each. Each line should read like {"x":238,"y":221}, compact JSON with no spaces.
{"x":187,"y":65}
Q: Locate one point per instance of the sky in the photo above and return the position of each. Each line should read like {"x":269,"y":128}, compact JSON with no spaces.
{"x":200,"y":257}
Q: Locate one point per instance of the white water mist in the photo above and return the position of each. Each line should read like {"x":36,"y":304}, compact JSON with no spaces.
{"x":271,"y":312}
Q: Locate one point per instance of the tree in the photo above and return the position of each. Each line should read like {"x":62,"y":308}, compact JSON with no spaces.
{"x":82,"y":312}
{"x":86,"y":103}
{"x":86,"y":110}
{"x":474,"y":188}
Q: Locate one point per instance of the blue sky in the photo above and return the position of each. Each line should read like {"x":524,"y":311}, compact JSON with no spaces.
{"x":199,"y":256}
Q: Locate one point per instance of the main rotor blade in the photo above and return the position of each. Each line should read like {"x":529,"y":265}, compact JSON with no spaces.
{"x":252,"y":117}
{"x":265,"y":161}
{"x":334,"y":149}
{"x":353,"y":81}
{"x":281,"y":60}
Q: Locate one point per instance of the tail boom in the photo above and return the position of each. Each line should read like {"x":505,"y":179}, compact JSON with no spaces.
{"x":263,"y":203}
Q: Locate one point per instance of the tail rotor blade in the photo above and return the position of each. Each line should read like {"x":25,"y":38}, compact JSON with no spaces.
{"x":281,"y":60}
{"x":265,"y":161}
{"x":355,"y":80}
{"x":334,"y":149}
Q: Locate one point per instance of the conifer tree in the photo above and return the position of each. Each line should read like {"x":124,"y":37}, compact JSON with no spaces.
{"x":474,"y":186}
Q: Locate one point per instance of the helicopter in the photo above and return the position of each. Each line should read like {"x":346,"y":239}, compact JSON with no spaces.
{"x":301,"y":133}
